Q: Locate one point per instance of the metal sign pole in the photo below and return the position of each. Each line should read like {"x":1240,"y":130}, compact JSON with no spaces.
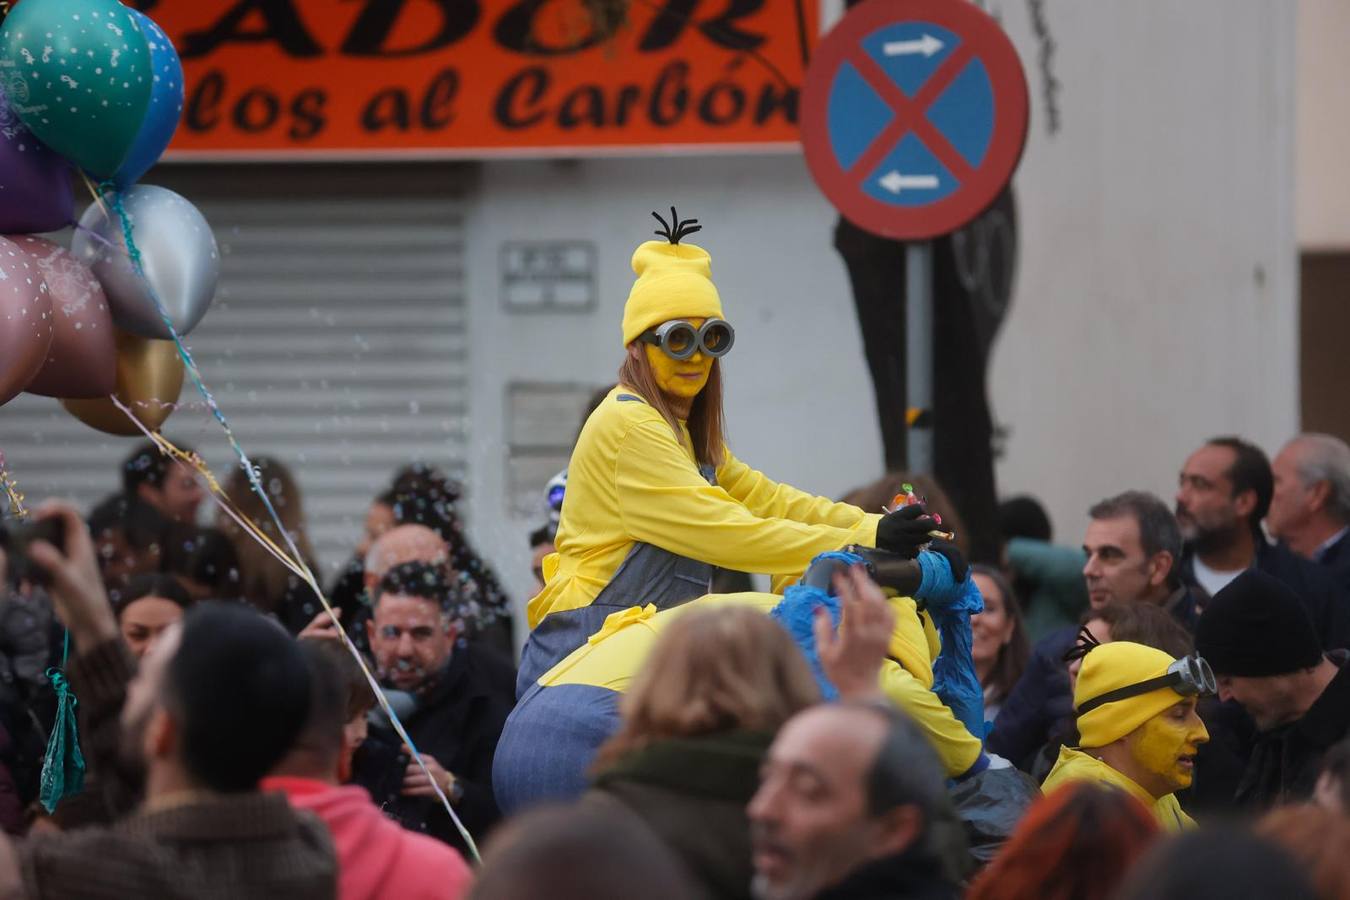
{"x":919,"y":354}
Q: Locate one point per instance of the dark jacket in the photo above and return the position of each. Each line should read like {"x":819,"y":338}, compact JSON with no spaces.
{"x":692,"y":792}
{"x":221,"y":846}
{"x":1219,"y":764}
{"x":206,"y":846}
{"x":457,"y":722}
{"x":1039,"y":705}
{"x":912,"y":875}
{"x":1286,"y":761}
{"x":1337,"y":556}
{"x":1328,"y":603}
{"x":1335,"y":560}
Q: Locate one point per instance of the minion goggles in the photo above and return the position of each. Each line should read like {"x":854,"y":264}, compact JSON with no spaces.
{"x":679,"y":339}
{"x":1189,"y":676}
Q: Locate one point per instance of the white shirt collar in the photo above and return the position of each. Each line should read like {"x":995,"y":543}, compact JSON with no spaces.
{"x":1329,"y":543}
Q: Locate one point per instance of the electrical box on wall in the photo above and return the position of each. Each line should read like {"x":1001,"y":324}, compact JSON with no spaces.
{"x":548,"y":276}
{"x":542,"y":421}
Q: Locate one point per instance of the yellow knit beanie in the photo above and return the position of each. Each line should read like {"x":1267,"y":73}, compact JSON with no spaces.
{"x":1116,"y":665}
{"x":674,"y":281}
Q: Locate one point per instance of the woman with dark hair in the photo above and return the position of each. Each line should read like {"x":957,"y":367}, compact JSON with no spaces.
{"x":150,"y":604}
{"x":999,"y":642}
{"x":129,"y":537}
{"x":1076,"y":843}
{"x":655,"y":499}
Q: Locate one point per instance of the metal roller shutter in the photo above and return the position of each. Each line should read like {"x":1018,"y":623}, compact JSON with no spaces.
{"x":337,"y":341}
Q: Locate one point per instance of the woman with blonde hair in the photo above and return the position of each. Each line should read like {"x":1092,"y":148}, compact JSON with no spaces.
{"x":696,"y":723}
{"x":264,"y":581}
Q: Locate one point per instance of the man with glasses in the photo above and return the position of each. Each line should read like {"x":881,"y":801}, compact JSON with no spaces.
{"x":1137,"y":725}
{"x":1258,"y":636}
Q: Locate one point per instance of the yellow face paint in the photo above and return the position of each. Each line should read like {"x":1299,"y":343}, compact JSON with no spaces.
{"x":1166,"y":744}
{"x":682,"y":378}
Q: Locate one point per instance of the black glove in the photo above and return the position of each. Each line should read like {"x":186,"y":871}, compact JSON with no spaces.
{"x":905,"y":531}
{"x":960,"y":568}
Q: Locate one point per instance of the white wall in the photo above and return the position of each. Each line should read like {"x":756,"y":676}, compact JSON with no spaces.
{"x":1155,"y":304}
{"x":1323,"y":124}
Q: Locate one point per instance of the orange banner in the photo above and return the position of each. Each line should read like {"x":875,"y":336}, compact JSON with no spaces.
{"x":360,"y":78}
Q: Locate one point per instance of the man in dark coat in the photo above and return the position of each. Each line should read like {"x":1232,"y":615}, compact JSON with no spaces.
{"x":457,"y":700}
{"x":1263,"y":648}
{"x":852,"y":803}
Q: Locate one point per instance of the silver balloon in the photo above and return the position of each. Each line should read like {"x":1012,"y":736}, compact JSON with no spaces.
{"x":178,"y":253}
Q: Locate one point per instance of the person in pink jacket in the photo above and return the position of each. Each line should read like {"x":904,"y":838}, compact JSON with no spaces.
{"x":377,"y":858}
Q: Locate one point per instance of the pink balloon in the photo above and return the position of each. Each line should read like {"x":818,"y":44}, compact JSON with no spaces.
{"x":25,"y":320}
{"x":82,"y":360}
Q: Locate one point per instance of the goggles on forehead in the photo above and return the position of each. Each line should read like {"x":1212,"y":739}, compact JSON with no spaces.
{"x":1189,"y":676}
{"x":679,"y":339}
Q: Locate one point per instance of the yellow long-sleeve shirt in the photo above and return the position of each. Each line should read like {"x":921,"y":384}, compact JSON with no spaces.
{"x":615,"y":653}
{"x":1075,"y":765}
{"x":631,"y":479}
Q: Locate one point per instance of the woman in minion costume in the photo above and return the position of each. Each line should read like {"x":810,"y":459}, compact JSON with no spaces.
{"x":655,"y":500}
{"x":1137,"y":725}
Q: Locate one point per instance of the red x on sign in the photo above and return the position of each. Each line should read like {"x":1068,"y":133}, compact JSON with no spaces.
{"x":914,"y":115}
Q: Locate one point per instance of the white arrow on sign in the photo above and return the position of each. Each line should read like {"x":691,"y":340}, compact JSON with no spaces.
{"x":927,"y":45}
{"x":894,"y":182}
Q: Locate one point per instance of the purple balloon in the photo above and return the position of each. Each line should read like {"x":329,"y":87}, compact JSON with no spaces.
{"x":35,"y":193}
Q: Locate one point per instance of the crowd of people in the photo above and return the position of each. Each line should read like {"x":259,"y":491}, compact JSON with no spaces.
{"x":1158,"y":710}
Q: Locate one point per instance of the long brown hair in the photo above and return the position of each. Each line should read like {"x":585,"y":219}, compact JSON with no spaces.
{"x":713,"y":670}
{"x":706,"y":424}
{"x":263,"y":580}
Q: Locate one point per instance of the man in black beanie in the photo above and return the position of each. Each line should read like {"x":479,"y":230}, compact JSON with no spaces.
{"x":1257,"y":636}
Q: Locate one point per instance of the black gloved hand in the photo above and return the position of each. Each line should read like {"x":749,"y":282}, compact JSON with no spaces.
{"x":905,"y":531}
{"x":960,"y":568}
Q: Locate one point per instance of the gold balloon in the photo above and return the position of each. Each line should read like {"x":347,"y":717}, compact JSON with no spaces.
{"x":149,"y":379}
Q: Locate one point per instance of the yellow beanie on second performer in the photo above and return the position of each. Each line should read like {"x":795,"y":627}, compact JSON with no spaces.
{"x":674,"y":281}
{"x":1116,"y":665}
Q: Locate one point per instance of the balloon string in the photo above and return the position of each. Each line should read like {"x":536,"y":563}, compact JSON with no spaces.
{"x":114,"y":200}
{"x":95,"y":236}
{"x":296,"y":564}
{"x":98,"y":198}
{"x":296,"y":559}
{"x":12,"y":493}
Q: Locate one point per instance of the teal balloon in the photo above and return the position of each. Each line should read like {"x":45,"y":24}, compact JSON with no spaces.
{"x":78,"y":74}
